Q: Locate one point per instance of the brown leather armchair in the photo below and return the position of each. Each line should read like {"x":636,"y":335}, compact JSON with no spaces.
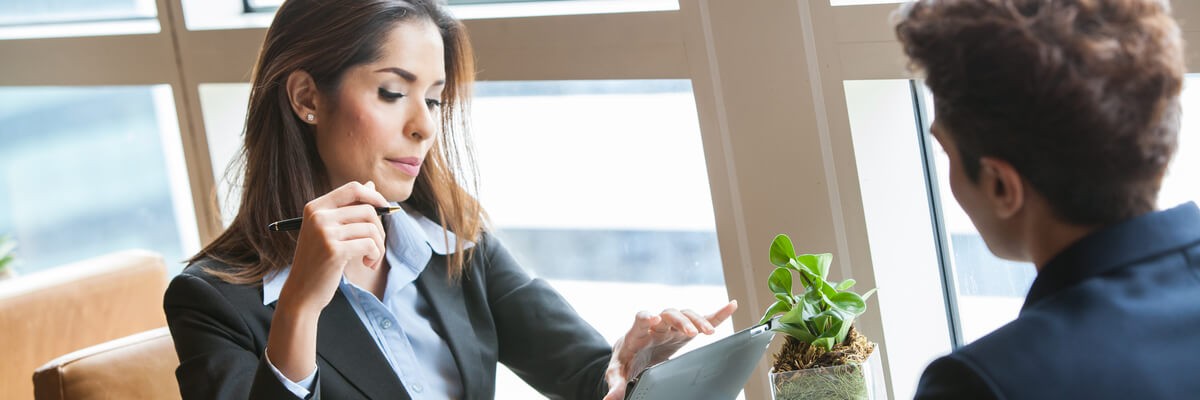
{"x":50,"y":313}
{"x":141,"y":366}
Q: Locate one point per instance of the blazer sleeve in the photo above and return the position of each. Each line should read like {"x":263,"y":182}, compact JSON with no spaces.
{"x":541,"y":338}
{"x":954,"y":377}
{"x":216,"y":348}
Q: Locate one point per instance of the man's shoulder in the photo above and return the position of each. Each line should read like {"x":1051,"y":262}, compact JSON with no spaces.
{"x":989,"y":366}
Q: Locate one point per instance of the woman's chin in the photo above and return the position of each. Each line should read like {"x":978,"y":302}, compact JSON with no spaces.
{"x":397,"y":194}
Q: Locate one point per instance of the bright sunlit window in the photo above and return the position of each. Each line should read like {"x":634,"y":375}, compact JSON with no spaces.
{"x":22,"y":19}
{"x":89,"y":171}
{"x":600,"y":187}
{"x":475,"y":9}
{"x":26,"y":12}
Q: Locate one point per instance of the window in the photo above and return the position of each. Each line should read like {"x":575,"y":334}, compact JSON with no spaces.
{"x":862,"y":2}
{"x":988,"y":292}
{"x":470,"y":9}
{"x":600,"y":188}
{"x":224,"y":106}
{"x":69,"y":18}
{"x":899,"y":221}
{"x":25,"y":12}
{"x":262,"y":5}
{"x":88,"y":171}
{"x":1179,"y":186}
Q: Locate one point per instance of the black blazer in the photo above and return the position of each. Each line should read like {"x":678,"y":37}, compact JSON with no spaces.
{"x":495,"y":313}
{"x":1114,"y":316}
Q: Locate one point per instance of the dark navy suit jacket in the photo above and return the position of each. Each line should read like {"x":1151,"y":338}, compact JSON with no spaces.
{"x":1114,"y":316}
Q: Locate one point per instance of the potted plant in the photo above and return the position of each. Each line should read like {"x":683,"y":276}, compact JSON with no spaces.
{"x":823,"y":357}
{"x":7,"y":259}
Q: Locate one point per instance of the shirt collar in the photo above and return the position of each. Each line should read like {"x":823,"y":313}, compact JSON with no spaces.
{"x":418,"y":237}
{"x":1116,"y":246}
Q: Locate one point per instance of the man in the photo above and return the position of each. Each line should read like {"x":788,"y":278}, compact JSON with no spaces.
{"x":1060,"y":118}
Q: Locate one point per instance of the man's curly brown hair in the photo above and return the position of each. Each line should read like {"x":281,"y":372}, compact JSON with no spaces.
{"x":1080,"y":96}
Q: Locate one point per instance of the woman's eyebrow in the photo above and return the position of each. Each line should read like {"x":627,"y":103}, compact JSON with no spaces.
{"x":408,"y":76}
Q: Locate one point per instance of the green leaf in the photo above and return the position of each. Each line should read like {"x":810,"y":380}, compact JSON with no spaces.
{"x":823,"y":262}
{"x":7,"y":246}
{"x":782,"y":250}
{"x":827,"y":321}
{"x":825,"y":343}
{"x":808,"y":262}
{"x":819,"y":285}
{"x":778,"y":307}
{"x":849,"y":302}
{"x":843,"y":329}
{"x":780,"y":282}
{"x":810,"y":309}
{"x":795,"y":316}
{"x":846,"y":284}
{"x":795,"y":331}
{"x":868,"y":294}
{"x":815,"y":298}
{"x":782,"y":297}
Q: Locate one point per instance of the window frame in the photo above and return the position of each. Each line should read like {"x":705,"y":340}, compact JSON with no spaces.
{"x":933,"y":190}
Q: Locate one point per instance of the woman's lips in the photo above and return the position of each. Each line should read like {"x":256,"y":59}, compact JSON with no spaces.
{"x":407,"y":165}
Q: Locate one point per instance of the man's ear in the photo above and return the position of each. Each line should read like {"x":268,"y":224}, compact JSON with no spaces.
{"x":1002,"y":185}
{"x":303,"y":96}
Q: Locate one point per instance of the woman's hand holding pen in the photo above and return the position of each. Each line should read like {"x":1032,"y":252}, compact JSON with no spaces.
{"x":653,"y":339}
{"x":341,"y":230}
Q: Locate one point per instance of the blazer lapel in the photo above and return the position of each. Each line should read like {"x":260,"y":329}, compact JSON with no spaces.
{"x":345,"y":344}
{"x":450,"y":311}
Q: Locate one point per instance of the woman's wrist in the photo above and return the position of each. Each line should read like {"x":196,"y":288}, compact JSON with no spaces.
{"x":292,"y":342}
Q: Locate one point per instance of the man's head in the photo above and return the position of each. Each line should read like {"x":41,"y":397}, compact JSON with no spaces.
{"x":1072,"y":103}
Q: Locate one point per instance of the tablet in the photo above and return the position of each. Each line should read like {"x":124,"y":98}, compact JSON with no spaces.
{"x":716,"y":371}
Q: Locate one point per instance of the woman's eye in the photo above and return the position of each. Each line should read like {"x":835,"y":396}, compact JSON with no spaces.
{"x":386,"y":95}
{"x":432,"y":103}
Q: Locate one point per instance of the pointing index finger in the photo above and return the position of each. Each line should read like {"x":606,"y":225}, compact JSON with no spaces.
{"x":722,"y":314}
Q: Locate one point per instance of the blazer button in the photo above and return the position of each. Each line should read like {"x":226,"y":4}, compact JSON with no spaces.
{"x":386,"y":323}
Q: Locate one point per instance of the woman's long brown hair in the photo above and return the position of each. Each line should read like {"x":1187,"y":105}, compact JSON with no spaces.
{"x":282,"y":170}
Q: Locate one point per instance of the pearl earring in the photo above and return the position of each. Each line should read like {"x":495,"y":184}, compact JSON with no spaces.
{"x":310,"y":117}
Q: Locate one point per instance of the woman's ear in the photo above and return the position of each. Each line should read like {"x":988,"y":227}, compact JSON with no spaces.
{"x":303,"y":96}
{"x":1003,"y":186}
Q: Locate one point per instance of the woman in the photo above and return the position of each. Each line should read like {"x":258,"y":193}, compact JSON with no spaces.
{"x":356,"y":104}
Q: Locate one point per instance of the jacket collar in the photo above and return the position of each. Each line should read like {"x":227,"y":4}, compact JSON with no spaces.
{"x":1115,"y":246}
{"x":450,"y":312}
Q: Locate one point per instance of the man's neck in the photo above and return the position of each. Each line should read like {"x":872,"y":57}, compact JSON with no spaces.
{"x":1050,"y":237}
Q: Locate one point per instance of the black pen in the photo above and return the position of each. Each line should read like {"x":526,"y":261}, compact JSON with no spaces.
{"x":293,"y":224}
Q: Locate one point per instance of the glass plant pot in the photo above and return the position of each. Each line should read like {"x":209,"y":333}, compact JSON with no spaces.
{"x":849,"y":382}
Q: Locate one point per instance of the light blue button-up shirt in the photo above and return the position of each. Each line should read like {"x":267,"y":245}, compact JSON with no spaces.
{"x":401,"y":324}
